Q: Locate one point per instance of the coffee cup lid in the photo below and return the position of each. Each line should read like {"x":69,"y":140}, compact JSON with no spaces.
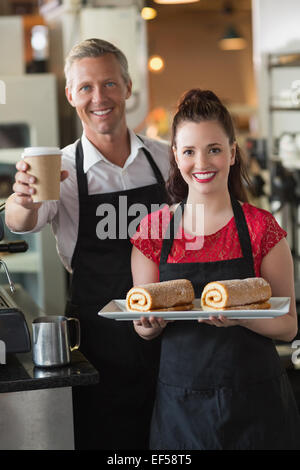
{"x":39,"y":151}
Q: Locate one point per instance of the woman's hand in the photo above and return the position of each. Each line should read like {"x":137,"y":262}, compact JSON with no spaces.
{"x":151,"y":322}
{"x":219,"y":320}
{"x":151,"y":327}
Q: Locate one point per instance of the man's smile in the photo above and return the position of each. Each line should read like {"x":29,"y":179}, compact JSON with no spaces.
{"x":102,"y":112}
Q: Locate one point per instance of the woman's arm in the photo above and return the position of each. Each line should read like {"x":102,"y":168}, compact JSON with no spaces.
{"x":277,"y":268}
{"x":145,"y":271}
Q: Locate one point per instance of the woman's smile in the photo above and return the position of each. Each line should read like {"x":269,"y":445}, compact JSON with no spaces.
{"x":204,"y":156}
{"x":204,"y":176}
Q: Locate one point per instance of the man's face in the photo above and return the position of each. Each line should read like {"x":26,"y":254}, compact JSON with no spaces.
{"x":98,"y":91}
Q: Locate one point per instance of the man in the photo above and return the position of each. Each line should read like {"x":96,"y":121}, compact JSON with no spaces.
{"x":107,"y":167}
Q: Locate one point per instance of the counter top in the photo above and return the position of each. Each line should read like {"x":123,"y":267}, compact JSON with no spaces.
{"x":19,"y":373}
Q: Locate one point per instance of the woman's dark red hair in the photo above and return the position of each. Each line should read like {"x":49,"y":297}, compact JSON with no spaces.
{"x":197,"y":106}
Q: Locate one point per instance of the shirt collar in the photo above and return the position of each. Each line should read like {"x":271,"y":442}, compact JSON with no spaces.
{"x":92,"y":155}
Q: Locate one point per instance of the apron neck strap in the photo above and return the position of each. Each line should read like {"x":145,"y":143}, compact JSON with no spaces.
{"x":82,"y":177}
{"x":171,"y":232}
{"x":153,"y":165}
{"x":240,"y":222}
{"x":242,"y":229}
{"x":155,"y":169}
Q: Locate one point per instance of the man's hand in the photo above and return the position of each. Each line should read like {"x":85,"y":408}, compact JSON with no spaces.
{"x":22,"y":186}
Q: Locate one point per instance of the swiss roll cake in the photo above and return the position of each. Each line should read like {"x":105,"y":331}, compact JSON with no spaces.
{"x":177,"y":294}
{"x":249,"y":294}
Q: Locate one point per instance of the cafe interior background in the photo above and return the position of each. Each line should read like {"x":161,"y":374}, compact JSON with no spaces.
{"x":248,"y":52}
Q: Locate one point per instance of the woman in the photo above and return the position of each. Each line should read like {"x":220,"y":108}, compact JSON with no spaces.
{"x":221,"y":385}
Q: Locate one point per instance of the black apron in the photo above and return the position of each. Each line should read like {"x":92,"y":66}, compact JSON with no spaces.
{"x":116,"y":413}
{"x":220,"y":388}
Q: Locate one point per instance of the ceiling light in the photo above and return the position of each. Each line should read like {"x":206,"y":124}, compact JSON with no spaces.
{"x":171,"y":2}
{"x":232,"y":40}
{"x":156,"y":63}
{"x":148,"y":13}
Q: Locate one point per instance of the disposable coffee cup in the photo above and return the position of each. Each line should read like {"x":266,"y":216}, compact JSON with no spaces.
{"x":45,"y":165}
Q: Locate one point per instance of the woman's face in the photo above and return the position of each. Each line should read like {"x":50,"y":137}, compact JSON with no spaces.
{"x":204,"y":156}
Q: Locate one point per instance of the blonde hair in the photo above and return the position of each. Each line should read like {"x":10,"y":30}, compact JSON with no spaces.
{"x":96,"y":48}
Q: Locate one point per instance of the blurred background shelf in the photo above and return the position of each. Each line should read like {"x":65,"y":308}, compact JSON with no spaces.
{"x":39,"y":270}
{"x":22,"y":262}
{"x":10,"y":156}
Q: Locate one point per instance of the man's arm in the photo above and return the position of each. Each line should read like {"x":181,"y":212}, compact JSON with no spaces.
{"x":21,"y":213}
{"x":18,"y":218}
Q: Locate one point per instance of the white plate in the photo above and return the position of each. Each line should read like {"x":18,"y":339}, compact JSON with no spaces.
{"x":116,"y":309}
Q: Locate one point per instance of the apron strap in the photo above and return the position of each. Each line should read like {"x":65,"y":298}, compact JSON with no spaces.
{"x":243,"y":232}
{"x":171,"y":232}
{"x":240,"y":222}
{"x":81,"y":175}
{"x":153,"y":165}
{"x":82,"y":194}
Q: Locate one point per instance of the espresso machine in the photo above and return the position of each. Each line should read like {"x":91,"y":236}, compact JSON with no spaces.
{"x":14,"y":333}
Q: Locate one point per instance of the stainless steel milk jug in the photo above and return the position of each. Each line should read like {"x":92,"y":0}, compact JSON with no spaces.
{"x":51,"y":340}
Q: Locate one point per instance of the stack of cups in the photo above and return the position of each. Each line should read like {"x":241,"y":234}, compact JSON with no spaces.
{"x":45,"y":165}
{"x":288,"y":151}
{"x":296,"y":93}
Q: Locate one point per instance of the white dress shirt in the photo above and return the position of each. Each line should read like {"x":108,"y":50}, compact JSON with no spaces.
{"x":103,"y":177}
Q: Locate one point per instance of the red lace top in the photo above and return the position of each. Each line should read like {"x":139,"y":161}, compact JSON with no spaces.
{"x":224,"y":244}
